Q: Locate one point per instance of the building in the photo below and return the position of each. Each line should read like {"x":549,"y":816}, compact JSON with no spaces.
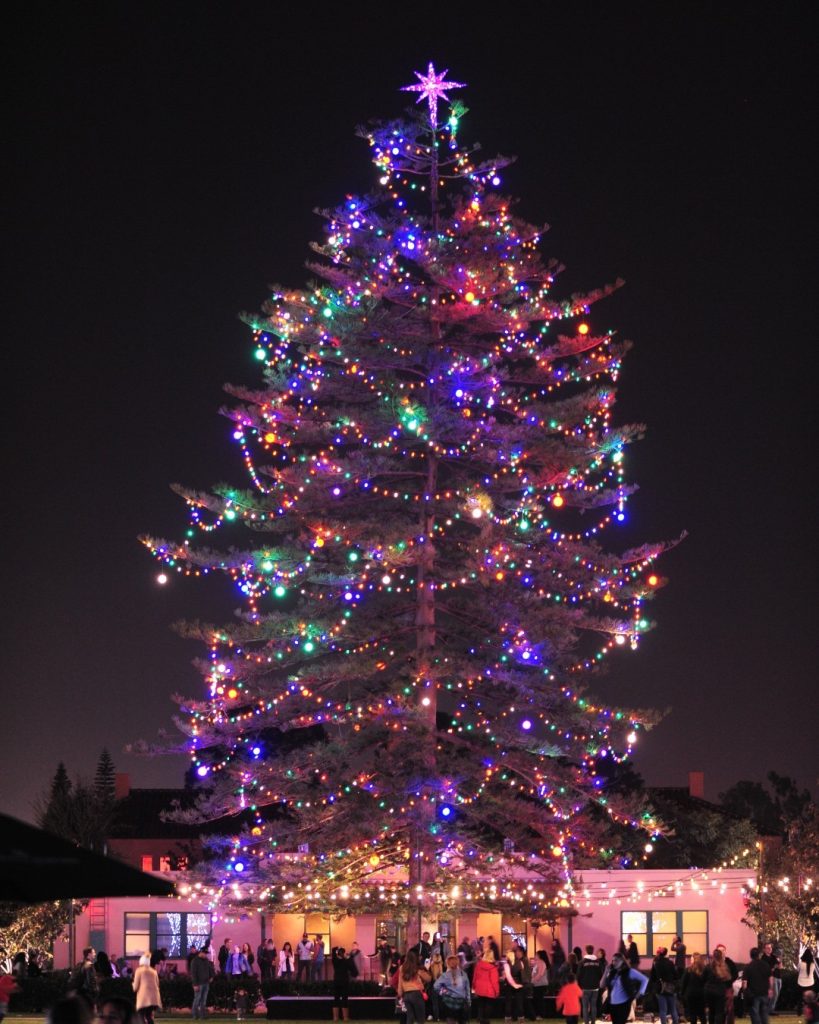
{"x":706,"y":907}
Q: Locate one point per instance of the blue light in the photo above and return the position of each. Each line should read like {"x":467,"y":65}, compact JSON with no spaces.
{"x":239,"y":866}
{"x":256,"y":751}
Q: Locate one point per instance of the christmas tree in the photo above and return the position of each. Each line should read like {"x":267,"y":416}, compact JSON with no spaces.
{"x":399,"y":711}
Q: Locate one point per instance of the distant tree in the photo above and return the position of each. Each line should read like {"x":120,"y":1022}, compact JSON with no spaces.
{"x":34,"y":927}
{"x":105,"y":779}
{"x":784,"y":906}
{"x":80,"y":812}
{"x":770,"y":812}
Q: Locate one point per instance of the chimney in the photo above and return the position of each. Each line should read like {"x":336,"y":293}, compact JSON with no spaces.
{"x":122,"y":785}
{"x":696,"y":784}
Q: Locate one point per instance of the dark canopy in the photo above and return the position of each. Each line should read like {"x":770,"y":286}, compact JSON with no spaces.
{"x":36,"y":866}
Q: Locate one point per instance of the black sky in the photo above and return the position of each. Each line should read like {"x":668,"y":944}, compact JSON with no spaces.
{"x":164,"y":162}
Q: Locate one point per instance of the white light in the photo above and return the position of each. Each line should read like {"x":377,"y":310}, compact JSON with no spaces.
{"x":631,"y":738}
{"x":162,"y":579}
{"x":477,"y":513}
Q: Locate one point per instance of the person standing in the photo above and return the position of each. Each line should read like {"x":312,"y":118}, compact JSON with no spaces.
{"x":454,"y":991}
{"x":569,"y":999}
{"x":806,"y":973}
{"x":247,"y":952}
{"x":85,"y":980}
{"x":287,"y":962}
{"x":589,"y":976}
{"x":625,"y":985}
{"x":422,"y":949}
{"x":718,"y":983}
{"x":485,"y":985}
{"x":202,"y":973}
{"x":304,"y":957}
{"x":756,"y":981}
{"x":317,"y":964}
{"x":693,"y":990}
{"x":224,"y":955}
{"x":664,"y":979}
{"x":540,"y":982}
{"x":344,"y":970}
{"x":632,"y":953}
{"x":678,"y":948}
{"x":412,"y":980}
{"x":146,"y":990}
{"x":775,"y":964}
{"x":729,"y":995}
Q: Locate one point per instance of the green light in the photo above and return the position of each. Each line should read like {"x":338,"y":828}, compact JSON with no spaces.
{"x":280,"y":591}
{"x":327,"y":311}
{"x":353,"y":556}
{"x":267,"y":565}
{"x":230,"y":514}
{"x":260,"y":354}
{"x":309,"y":647}
{"x":524,"y":524}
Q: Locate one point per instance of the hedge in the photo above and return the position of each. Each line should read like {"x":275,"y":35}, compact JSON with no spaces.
{"x":37,"y":994}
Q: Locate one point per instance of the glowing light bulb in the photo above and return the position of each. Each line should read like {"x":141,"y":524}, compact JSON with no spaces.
{"x":558,"y":501}
{"x":583,"y":329}
{"x":162,"y":579}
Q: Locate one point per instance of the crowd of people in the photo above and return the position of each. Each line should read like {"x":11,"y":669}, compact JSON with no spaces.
{"x":434,"y":982}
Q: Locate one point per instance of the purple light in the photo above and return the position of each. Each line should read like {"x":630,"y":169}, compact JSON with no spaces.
{"x":202,"y":771}
{"x":526,"y":725}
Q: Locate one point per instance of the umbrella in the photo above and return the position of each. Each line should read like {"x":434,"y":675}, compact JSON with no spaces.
{"x":36,"y":866}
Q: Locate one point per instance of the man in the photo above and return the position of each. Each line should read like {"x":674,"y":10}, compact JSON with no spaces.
{"x":202,"y":973}
{"x":589,"y":976}
{"x":317,"y":965}
{"x":775,"y":964}
{"x":85,"y":981}
{"x":678,"y":948}
{"x":423,"y":949}
{"x":224,"y":956}
{"x":632,"y":952}
{"x":466,"y":957}
{"x":756,"y":980}
{"x":304,"y":956}
{"x":266,"y":957}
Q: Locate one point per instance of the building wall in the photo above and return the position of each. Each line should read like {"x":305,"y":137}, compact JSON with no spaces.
{"x":602,"y":899}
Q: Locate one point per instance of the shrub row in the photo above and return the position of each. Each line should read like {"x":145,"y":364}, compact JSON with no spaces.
{"x":37,"y":994}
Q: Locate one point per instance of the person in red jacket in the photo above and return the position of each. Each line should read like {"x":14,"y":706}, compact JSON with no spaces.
{"x":569,"y":1000}
{"x":485,"y":985}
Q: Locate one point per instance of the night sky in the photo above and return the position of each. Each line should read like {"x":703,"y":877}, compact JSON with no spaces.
{"x":165,"y":162}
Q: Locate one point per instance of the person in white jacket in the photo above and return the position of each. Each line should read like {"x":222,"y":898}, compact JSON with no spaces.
{"x":287,"y":961}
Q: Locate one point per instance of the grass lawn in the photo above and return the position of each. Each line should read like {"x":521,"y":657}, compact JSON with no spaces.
{"x":790,"y":1018}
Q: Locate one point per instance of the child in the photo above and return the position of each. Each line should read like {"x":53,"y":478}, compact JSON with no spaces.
{"x":241,"y":1002}
{"x":810,"y":1008}
{"x":568,"y":999}
{"x":7,"y":986}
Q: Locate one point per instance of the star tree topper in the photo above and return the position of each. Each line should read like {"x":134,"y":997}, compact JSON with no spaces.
{"x":432,"y":87}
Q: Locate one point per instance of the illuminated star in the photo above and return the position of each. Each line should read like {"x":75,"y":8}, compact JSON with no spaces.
{"x":431,"y":87}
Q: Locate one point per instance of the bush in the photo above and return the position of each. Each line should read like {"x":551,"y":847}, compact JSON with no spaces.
{"x":37,"y":994}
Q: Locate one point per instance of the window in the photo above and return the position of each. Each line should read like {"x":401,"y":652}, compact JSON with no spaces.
{"x":176,"y":932}
{"x":513,"y":929}
{"x":654,"y":928}
{"x":392,"y":930}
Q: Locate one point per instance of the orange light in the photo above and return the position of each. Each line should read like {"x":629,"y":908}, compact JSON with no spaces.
{"x":557,"y":851}
{"x":499,"y":576}
{"x":582,"y":328}
{"x":470,"y":296}
{"x":232,"y":693}
{"x":270,"y":438}
{"x":558,"y":501}
{"x":375,"y":860}
{"x":653,"y":580}
{"x":318,"y":542}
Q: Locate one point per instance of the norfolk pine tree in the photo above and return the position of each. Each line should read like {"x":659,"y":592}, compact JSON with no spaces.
{"x":436,"y":485}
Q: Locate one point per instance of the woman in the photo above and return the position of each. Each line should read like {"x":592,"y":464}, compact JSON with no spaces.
{"x":439,"y":945}
{"x":454,"y":992}
{"x":412,"y":979}
{"x":558,"y":955}
{"x":624,"y":985}
{"x":248,"y":955}
{"x":693,"y":990}
{"x":717,"y":981}
{"x":664,"y":982}
{"x":540,"y":982}
{"x":522,"y":973}
{"x":146,"y":988}
{"x":287,"y":961}
{"x":486,"y":984}
{"x":512,"y":989}
{"x":436,"y":969}
{"x":103,"y":966}
{"x":343,"y":971}
{"x":806,"y":974}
